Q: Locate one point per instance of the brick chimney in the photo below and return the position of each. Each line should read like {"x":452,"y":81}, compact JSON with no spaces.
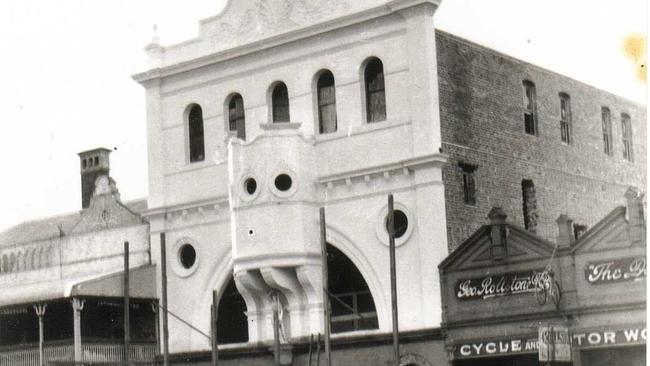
{"x":498,"y":233}
{"x":93,"y":163}
{"x":634,"y":213}
{"x":565,"y":236}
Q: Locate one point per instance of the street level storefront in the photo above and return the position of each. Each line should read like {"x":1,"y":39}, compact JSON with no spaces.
{"x":512,"y":298}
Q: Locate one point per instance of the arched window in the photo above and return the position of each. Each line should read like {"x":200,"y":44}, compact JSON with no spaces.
{"x":530,"y":108}
{"x":607,"y":131}
{"x":232,"y":324}
{"x":195,"y":127}
{"x":236,"y":116}
{"x":280,"y":103}
{"x":373,"y":77}
{"x":352,"y":305}
{"x":326,"y":93}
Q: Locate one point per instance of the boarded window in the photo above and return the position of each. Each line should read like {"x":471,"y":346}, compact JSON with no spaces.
{"x":280,"y":103}
{"x":326,"y":103}
{"x":565,"y":118}
{"x":236,"y":117}
{"x":529,"y":205}
{"x":197,"y":148}
{"x":626,"y":129}
{"x":375,"y":91}
{"x":469,"y":183}
{"x":530,"y":108}
{"x":607,"y":131}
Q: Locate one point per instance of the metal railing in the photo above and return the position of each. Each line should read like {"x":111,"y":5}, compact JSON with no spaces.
{"x":62,"y":352}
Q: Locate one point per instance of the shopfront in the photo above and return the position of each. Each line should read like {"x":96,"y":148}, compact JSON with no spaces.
{"x":511,"y":298}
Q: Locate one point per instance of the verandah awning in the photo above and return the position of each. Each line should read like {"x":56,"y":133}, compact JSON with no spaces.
{"x":142,"y":284}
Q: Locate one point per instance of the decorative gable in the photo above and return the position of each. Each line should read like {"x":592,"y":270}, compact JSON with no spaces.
{"x":480,"y":249}
{"x":106,"y":210}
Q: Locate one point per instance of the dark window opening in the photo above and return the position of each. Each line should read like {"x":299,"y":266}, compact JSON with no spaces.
{"x":283,"y":182}
{"x":326,"y":92}
{"x":280,"y":103}
{"x":626,"y":129}
{"x":236,"y":116}
{"x":250,"y":184}
{"x":375,"y":91}
{"x":401,"y":223}
{"x":469,"y":183}
{"x":529,"y":205}
{"x":187,"y":255}
{"x":232,"y":323}
{"x":84,"y":164}
{"x":103,"y":320}
{"x":530,"y":108}
{"x":607,"y":131}
{"x":96,"y":161}
{"x":197,"y":148}
{"x":565,"y":118}
{"x":578,"y":230}
{"x":352,"y":305}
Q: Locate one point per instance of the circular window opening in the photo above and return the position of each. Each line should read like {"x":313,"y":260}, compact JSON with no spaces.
{"x":401,"y":223}
{"x":250,"y":185}
{"x":187,"y":255}
{"x":283,"y":182}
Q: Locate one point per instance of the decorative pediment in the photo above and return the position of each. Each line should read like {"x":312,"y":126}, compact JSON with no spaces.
{"x":478,"y":251}
{"x":245,"y":21}
{"x":105,"y":210}
{"x":611,"y":232}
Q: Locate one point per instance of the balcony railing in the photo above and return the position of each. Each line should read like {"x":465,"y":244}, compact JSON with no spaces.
{"x":95,"y":352}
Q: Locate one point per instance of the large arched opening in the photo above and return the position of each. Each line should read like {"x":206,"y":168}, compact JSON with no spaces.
{"x":353,"y":307}
{"x":232,"y":323}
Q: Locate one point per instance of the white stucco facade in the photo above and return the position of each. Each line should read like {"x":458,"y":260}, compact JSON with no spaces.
{"x":269,"y":240}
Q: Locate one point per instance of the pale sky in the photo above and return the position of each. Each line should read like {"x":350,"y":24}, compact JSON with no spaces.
{"x":66,"y":66}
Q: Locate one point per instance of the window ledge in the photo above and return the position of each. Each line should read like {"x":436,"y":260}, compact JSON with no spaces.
{"x":360,"y":130}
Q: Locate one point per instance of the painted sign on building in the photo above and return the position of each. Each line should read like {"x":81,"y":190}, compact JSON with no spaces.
{"x":609,"y":337}
{"x":616,"y":270}
{"x":505,"y":346}
{"x":554,"y":344}
{"x":505,"y":284}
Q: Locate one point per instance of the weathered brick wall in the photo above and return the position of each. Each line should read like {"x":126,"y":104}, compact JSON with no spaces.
{"x":482,"y":108}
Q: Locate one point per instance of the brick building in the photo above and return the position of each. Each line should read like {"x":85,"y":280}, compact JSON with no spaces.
{"x":482,"y":114}
{"x":278,"y":108}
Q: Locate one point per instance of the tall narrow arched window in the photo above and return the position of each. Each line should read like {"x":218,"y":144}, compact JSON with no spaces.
{"x":373,"y":76}
{"x":530,"y":108}
{"x":195,"y":127}
{"x":280,"y":103}
{"x":626,"y":130}
{"x":326,"y":92}
{"x":352,"y":304}
{"x":566,"y":128}
{"x":607,"y":131}
{"x":236,"y":116}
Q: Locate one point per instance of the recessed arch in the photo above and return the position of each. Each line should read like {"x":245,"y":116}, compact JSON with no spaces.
{"x":232,"y":323}
{"x":352,"y":305}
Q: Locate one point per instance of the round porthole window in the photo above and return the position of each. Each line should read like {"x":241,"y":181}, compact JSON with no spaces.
{"x":283,"y":182}
{"x":187,"y":256}
{"x":250,"y":185}
{"x":401,"y":223}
